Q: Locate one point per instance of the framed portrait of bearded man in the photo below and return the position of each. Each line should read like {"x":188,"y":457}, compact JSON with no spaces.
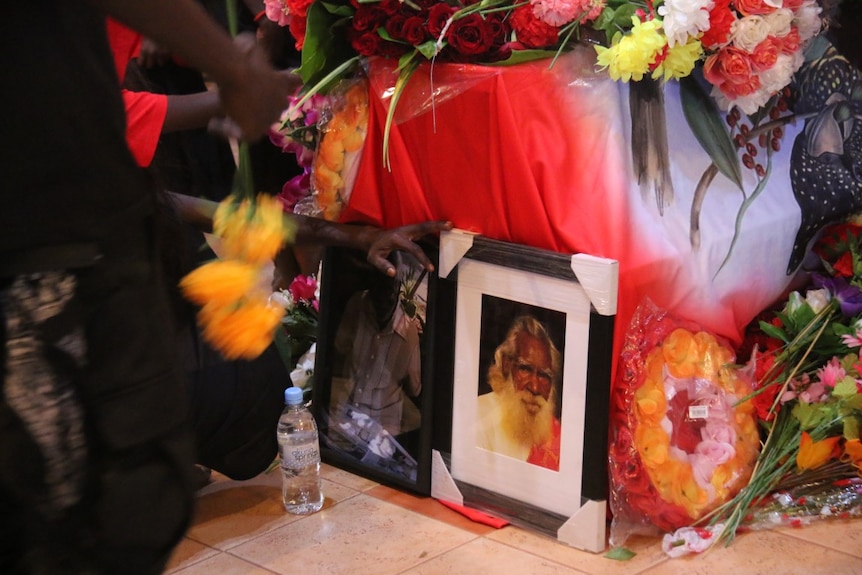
{"x":531,"y":366}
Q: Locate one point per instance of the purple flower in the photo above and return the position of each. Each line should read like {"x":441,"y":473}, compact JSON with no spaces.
{"x":849,"y":296}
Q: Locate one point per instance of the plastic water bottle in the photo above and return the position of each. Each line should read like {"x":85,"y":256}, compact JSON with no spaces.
{"x":300,"y":456}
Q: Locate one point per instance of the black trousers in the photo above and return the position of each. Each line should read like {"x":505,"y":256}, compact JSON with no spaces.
{"x":95,"y":451}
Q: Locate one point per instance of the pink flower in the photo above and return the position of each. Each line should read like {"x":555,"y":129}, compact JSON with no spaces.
{"x":556,"y":12}
{"x":831,"y":373}
{"x":303,"y":287}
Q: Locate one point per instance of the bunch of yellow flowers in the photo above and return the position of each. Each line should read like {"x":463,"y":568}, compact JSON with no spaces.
{"x":235,"y":316}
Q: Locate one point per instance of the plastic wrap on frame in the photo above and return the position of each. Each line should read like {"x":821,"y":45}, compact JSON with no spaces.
{"x":434,"y":83}
{"x":681,"y":443}
{"x":343,"y":128}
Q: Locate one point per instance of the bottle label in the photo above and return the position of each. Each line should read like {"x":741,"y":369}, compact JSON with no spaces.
{"x":299,"y":456}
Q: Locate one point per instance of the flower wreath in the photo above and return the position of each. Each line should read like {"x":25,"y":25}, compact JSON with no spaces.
{"x":682,"y":443}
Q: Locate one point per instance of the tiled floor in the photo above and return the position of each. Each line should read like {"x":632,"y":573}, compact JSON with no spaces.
{"x":364,"y":528}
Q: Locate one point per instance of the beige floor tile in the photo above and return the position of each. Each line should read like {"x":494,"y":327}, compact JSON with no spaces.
{"x":648,"y":552}
{"x":839,"y":534}
{"x":346,"y":478}
{"x":362,"y":535}
{"x":429,"y":507}
{"x":224,"y":564}
{"x":188,"y":552}
{"x":763,"y":553}
{"x":486,"y":556}
{"x":231,"y":513}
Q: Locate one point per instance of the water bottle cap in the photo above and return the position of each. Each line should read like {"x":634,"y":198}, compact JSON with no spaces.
{"x":293,"y":396}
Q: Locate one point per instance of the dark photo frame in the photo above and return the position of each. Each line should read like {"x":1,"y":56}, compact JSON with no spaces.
{"x":557,"y":312}
{"x":372,"y":395}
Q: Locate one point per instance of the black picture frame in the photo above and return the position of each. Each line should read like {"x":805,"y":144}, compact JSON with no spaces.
{"x":484,"y":285}
{"x":357,"y":422}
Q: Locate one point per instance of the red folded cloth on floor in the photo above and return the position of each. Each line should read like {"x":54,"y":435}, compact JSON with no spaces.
{"x":476,"y":515}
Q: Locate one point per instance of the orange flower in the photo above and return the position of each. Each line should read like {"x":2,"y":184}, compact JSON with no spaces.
{"x":853,"y":453}
{"x":680,"y":353}
{"x":221,"y":282}
{"x":812,"y":454}
{"x":240,"y":332}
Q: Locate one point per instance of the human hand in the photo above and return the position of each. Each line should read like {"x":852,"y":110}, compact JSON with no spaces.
{"x":254,"y":96}
{"x":383,"y":242}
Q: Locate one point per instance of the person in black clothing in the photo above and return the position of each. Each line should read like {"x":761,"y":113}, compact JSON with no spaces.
{"x":95,"y":448}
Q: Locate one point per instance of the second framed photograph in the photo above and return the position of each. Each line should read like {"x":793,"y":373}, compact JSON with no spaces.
{"x":372,"y":393}
{"x":531,"y":377}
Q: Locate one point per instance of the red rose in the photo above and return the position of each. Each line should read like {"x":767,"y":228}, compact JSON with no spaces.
{"x":469,"y":35}
{"x":365,"y":43}
{"x":395,"y":26}
{"x":499,"y":27}
{"x":438,"y":15}
{"x":414,"y":30}
{"x":766,"y":54}
{"x":763,"y":401}
{"x":728,"y":65}
{"x":753,"y":7}
{"x":368,"y":18}
{"x":532,"y":32}
{"x":391,"y":7}
{"x":790,"y":43}
{"x":721,"y":18}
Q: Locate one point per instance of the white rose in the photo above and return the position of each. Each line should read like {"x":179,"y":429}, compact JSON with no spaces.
{"x":779,"y":22}
{"x":808,"y":20}
{"x":777,"y":77}
{"x":817,"y":299}
{"x":746,"y":33}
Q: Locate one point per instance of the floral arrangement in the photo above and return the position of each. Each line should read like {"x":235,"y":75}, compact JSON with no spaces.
{"x":297,"y":340}
{"x":326,"y":133}
{"x":749,"y":49}
{"x":298,"y":133}
{"x":682,"y":441}
{"x":235,"y":315}
{"x":808,"y":400}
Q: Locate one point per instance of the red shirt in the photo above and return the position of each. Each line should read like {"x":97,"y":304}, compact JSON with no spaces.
{"x":145,"y":111}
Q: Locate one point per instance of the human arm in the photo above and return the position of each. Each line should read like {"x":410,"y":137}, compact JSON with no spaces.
{"x":252,"y":92}
{"x":376,"y":242}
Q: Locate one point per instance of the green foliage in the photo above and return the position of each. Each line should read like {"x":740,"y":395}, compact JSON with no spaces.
{"x":326,"y":46}
{"x":705,"y":121}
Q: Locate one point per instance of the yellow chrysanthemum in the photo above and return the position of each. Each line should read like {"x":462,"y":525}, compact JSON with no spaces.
{"x":252,"y":232}
{"x":679,"y":61}
{"x":221,"y":281}
{"x":240,"y":332}
{"x":631,"y":55}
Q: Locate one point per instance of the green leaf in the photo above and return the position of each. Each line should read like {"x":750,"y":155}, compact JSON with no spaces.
{"x":521,"y":56}
{"x":853,"y":402}
{"x":620,"y":554}
{"x":406,"y":65}
{"x":429,"y":48}
{"x":325,"y":48}
{"x":774,"y":332}
{"x":807,"y":414}
{"x":851,"y":428}
{"x":705,"y":122}
{"x":845,"y":388}
{"x":344,"y":10}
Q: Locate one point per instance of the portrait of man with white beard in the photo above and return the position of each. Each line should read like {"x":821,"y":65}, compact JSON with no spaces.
{"x":518,"y":418}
